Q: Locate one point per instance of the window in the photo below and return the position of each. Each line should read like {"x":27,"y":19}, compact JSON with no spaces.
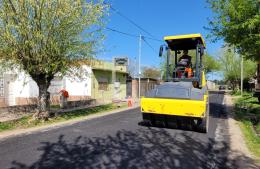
{"x":102,"y":83}
{"x":103,"y":86}
{"x":1,"y":86}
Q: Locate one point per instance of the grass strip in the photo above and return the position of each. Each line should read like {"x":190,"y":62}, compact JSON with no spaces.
{"x":28,"y":121}
{"x":252,"y":140}
{"x":247,"y":112}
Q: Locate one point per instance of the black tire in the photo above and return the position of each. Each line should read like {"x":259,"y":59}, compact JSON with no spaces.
{"x":179,"y":123}
{"x":204,"y":123}
{"x":149,"y":119}
{"x":146,"y":120}
{"x":165,"y":121}
{"x":153,"y":120}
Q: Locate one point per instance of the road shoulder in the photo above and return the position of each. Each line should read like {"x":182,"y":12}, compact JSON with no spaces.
{"x":239,"y":152}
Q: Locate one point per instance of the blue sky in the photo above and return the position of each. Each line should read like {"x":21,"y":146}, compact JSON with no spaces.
{"x":160,"y":18}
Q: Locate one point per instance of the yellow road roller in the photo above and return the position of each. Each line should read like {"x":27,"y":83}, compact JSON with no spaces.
{"x":184,"y":95}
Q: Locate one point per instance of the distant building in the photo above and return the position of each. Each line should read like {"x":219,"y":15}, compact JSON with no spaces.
{"x":146,"y":84}
{"x":211,"y":85}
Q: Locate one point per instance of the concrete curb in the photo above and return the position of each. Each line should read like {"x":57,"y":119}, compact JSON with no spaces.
{"x":17,"y":132}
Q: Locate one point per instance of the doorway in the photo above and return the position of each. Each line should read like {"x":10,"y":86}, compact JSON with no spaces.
{"x":10,"y":89}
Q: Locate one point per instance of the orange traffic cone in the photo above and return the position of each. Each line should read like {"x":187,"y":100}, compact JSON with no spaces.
{"x":129,"y":101}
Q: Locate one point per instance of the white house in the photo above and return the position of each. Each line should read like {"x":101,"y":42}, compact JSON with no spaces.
{"x":18,"y":88}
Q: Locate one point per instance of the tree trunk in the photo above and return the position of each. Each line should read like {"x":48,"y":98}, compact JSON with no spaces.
{"x":44,"y":96}
{"x":233,"y":84}
{"x":257,"y":85}
{"x":43,"y":99}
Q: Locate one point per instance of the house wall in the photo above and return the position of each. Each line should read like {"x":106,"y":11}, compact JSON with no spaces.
{"x":105,"y":76}
{"x":2,"y":102}
{"x":25,"y":86}
{"x":79,"y":88}
{"x":21,"y":89}
{"x":121,"y":77}
{"x":17,"y":89}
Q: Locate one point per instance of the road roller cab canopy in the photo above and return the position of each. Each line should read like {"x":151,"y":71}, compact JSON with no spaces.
{"x":185,"y":42}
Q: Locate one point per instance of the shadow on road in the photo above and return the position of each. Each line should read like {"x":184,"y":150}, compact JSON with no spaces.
{"x":153,"y":148}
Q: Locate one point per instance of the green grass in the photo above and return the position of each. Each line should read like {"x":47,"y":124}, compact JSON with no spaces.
{"x":28,"y":121}
{"x":235,"y":92}
{"x":238,"y":93}
{"x":55,"y":106}
{"x":247,"y":112}
{"x":252,"y":140}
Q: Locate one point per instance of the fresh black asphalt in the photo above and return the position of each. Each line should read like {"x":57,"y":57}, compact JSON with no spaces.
{"x":119,"y":141}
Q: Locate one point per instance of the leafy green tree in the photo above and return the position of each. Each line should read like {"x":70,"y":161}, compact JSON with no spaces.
{"x":45,"y":37}
{"x":237,"y":22}
{"x":231,"y":66}
{"x":209,"y":62}
{"x":151,"y":72}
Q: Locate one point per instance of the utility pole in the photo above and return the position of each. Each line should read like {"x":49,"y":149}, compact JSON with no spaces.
{"x":242,"y":72}
{"x":139,"y":69}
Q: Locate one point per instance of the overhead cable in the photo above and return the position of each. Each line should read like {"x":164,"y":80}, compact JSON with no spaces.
{"x":128,"y":34}
{"x":149,"y":45}
{"x":129,"y":20}
{"x":132,"y":35}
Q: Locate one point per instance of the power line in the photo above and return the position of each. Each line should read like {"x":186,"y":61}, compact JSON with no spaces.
{"x":149,"y":45}
{"x":129,"y":20}
{"x":132,"y":35}
{"x":135,"y":36}
{"x":153,"y":39}
{"x":128,"y":34}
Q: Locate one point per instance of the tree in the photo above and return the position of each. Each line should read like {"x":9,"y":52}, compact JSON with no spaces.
{"x":238,"y":23}
{"x":230,"y":65}
{"x":209,"y":62}
{"x":46,"y":37}
{"x":132,"y":68}
{"x":151,"y":72}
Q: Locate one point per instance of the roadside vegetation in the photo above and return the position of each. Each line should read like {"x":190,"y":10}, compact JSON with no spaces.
{"x":237,"y":23}
{"x":247,"y":112}
{"x":230,"y":63}
{"x":29,"y":121}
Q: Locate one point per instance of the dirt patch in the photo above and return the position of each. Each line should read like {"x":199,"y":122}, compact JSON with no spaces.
{"x":7,"y":116}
